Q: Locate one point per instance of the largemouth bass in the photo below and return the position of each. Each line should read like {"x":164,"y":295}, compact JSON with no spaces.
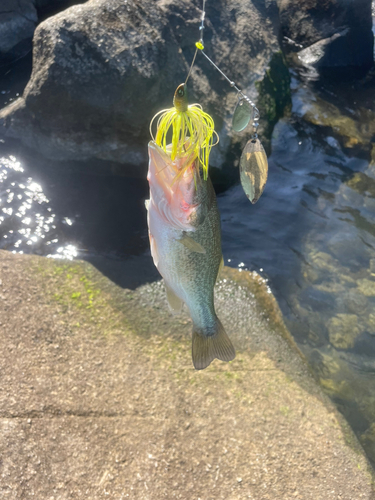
{"x":185,"y":239}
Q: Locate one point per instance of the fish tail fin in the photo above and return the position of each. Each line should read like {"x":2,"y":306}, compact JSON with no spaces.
{"x":208,"y":347}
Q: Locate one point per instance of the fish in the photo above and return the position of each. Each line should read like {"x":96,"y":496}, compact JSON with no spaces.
{"x":185,"y":240}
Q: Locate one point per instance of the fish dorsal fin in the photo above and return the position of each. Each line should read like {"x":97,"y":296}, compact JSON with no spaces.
{"x":191,"y":244}
{"x":174,"y":302}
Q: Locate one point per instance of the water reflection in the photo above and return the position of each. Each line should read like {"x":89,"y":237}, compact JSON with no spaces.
{"x":27,"y":221}
{"x":68,"y":214}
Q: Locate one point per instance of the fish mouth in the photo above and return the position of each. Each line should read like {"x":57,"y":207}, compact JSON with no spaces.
{"x":186,"y":167}
{"x":173,"y":188}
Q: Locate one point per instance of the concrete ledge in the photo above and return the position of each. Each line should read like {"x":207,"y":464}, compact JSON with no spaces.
{"x":99,"y":399}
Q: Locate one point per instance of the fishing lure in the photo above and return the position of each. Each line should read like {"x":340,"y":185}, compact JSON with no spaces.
{"x":193,"y":132}
{"x":253,"y":169}
{"x":253,"y":162}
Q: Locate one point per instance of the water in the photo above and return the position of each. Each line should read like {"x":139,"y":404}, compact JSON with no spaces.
{"x":311,"y":234}
{"x":58,"y":214}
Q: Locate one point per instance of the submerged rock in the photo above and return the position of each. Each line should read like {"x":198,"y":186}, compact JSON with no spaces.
{"x":102,"y":69}
{"x":351,"y":129}
{"x":367,"y":287}
{"x":343,"y":330}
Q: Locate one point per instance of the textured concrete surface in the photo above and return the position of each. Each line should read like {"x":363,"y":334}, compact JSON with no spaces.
{"x":99,"y":399}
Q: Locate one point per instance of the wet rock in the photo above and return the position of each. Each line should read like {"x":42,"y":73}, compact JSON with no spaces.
{"x":324,"y":114}
{"x":338,"y":33}
{"x":306,"y":22}
{"x":102,"y":69}
{"x":343,"y":330}
{"x":333,"y":52}
{"x":324,"y":364}
{"x":350,"y":128}
{"x":18,"y":19}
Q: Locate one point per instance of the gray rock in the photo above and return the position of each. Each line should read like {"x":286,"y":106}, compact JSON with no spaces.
{"x":102,"y":69}
{"x":18,"y":19}
{"x":338,"y":33}
{"x":337,"y":51}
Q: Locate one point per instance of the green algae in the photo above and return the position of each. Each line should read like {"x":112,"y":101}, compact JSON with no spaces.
{"x":274,"y":89}
{"x":274,"y":96}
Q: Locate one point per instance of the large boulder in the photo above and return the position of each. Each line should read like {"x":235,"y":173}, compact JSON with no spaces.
{"x":331,"y":33}
{"x":102,"y":69}
{"x":18,"y":19}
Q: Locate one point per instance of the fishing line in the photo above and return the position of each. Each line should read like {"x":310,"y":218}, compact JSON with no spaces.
{"x":201,"y":29}
{"x":192,"y":64}
{"x":253,"y":162}
{"x":241,"y":117}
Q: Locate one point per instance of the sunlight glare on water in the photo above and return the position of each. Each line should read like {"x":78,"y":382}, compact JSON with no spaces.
{"x":27,"y":221}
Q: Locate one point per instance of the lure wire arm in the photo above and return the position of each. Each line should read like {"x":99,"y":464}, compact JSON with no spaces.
{"x":200,"y":46}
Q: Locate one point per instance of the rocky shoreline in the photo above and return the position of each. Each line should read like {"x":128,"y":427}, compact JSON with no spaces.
{"x":99,"y":397}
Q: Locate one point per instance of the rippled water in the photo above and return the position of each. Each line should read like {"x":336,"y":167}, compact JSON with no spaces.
{"x":67,"y":215}
{"x":27,"y":221}
{"x":312,"y":233}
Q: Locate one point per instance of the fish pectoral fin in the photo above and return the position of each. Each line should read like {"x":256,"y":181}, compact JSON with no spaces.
{"x":174,"y":302}
{"x":191,"y":244}
{"x":147,"y":203}
{"x":206,"y":348}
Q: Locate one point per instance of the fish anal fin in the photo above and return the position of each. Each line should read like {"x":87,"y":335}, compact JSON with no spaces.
{"x":206,"y":348}
{"x":174,"y":302}
{"x":191,"y":244}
